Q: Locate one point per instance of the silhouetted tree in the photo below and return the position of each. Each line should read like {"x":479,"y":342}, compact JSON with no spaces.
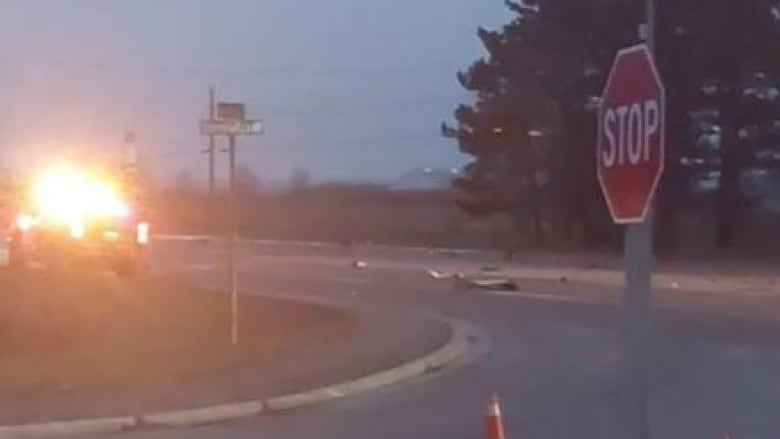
{"x":545,"y":70}
{"x":532,"y":128}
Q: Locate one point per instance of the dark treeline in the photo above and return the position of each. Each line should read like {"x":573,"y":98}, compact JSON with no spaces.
{"x":531,"y":129}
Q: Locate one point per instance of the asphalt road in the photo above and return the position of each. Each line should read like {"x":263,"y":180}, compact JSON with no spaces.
{"x":555,"y":359}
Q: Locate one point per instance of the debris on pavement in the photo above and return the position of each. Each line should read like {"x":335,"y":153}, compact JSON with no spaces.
{"x":480,"y":281}
{"x":443,"y":275}
{"x":496,"y":284}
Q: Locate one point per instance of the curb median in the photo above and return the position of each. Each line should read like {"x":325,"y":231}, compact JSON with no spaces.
{"x":60,"y":428}
{"x":464,"y":340}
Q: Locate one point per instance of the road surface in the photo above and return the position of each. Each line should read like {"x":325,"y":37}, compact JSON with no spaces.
{"x":554,"y":360}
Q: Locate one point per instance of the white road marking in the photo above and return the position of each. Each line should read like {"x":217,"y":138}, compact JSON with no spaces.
{"x":542,"y":296}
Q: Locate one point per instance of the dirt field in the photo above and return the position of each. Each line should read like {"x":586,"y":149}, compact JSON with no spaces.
{"x":67,"y":339}
{"x":432,"y":219}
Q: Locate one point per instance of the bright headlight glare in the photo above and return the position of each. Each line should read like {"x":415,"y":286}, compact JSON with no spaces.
{"x":69,"y":195}
{"x":77,"y":230}
{"x":24,"y":222}
{"x":142,"y":233}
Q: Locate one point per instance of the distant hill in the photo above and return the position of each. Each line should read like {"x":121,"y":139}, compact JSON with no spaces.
{"x":424,"y":179}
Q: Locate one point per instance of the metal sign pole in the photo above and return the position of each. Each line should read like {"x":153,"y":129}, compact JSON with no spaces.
{"x":639,"y":261}
{"x":231,"y":122}
{"x":211,"y":165}
{"x":639,"y":266}
{"x":232,"y":241}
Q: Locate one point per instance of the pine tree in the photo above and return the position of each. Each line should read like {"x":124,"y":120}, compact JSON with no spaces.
{"x":544,"y":71}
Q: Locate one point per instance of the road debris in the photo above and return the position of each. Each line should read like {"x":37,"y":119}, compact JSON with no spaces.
{"x":496,"y":284}
{"x":443,"y":275}
{"x":479,"y":281}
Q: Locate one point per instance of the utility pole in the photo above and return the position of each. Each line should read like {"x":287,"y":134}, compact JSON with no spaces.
{"x":650,"y":17}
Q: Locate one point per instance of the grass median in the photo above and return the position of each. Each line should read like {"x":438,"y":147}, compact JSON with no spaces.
{"x":87,"y":344}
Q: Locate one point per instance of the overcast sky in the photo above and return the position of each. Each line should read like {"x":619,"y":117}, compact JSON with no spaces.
{"x":350,"y":89}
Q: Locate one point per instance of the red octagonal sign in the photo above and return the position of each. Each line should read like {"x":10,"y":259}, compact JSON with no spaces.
{"x":630,"y":149}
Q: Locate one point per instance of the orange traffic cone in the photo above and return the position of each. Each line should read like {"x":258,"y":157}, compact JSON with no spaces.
{"x":494,"y":424}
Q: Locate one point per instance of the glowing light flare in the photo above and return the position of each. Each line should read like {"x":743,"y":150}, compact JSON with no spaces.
{"x":142,"y":233}
{"x":72,"y":196}
{"x":77,"y":230}
{"x":25,"y":222}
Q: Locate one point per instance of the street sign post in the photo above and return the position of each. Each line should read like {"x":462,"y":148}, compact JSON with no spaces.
{"x":630,"y":155}
{"x":230,"y":121}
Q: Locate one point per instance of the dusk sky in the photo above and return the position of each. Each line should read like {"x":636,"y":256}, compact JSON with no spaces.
{"x":349,"y":89}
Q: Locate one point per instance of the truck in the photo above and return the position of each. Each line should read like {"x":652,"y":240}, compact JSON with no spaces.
{"x":70,"y":216}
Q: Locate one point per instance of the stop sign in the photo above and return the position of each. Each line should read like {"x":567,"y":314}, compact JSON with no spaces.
{"x":630,"y":148}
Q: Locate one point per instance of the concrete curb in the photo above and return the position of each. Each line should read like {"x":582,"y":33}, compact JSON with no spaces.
{"x":81,"y":426}
{"x":465,"y":340}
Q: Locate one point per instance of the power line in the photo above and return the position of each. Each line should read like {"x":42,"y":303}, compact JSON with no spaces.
{"x":377,"y":107}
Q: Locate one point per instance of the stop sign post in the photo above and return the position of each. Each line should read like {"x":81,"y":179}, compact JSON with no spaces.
{"x":630,"y":155}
